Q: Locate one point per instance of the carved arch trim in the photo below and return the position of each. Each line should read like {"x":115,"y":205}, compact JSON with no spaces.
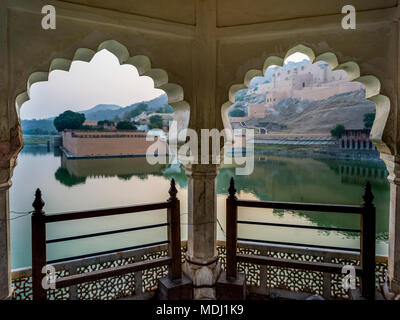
{"x":141,"y":62}
{"x":380,"y":133}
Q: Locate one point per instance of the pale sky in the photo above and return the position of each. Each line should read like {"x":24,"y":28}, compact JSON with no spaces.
{"x":296,"y":57}
{"x":101,"y":81}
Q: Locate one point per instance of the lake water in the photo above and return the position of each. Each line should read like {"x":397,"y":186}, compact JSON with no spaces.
{"x":85,"y":184}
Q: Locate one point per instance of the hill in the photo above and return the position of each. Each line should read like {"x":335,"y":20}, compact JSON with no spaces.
{"x":110,"y":112}
{"x":37,"y":127}
{"x":295,"y":116}
{"x":99,"y":112}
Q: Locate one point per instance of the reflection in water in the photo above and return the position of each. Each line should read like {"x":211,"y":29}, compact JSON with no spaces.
{"x":40,"y":149}
{"x":67,"y":178}
{"x":75,"y":171}
{"x":83,"y":184}
{"x":274,"y":178}
{"x":320,"y":181}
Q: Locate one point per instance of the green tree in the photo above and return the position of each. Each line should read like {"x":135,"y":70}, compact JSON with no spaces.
{"x":92,"y":128}
{"x":337,"y":131}
{"x":67,"y":178}
{"x":369,"y":120}
{"x":156,"y":122}
{"x":126,"y":125}
{"x":237,"y":113}
{"x":69,"y":120}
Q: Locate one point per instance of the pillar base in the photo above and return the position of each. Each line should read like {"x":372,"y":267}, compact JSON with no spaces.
{"x":387,"y":293}
{"x":175,"y":290}
{"x":393,"y":167}
{"x":231,"y":289}
{"x":202,"y":265}
{"x":204,"y":275}
{"x":394,"y":286}
{"x":10,"y":295}
{"x":5,"y":251}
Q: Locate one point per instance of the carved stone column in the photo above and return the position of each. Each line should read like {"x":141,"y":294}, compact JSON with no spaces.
{"x":393,"y":166}
{"x":202,"y":265}
{"x":9,"y":149}
{"x":5,"y":253}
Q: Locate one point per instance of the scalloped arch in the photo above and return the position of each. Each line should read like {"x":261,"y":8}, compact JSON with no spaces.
{"x":379,"y":133}
{"x":140,"y":62}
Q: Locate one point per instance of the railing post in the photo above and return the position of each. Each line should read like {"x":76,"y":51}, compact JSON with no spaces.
{"x":231,"y":232}
{"x":326,"y":279}
{"x":138,"y":278}
{"x":38,"y":247}
{"x":367,"y":239}
{"x":174,"y":234}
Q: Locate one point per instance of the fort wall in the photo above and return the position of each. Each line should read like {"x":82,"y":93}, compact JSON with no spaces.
{"x":313,"y":82}
{"x":99,"y":143}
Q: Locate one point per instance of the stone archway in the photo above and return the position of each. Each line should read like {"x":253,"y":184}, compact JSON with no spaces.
{"x":382,"y":135}
{"x":143,"y":65}
{"x":9,"y":149}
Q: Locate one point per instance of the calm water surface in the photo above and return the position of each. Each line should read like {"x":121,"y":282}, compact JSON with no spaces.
{"x":84,"y":184}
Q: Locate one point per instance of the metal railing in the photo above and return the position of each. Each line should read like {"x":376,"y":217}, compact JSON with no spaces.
{"x":366,"y":270}
{"x":39,"y":241}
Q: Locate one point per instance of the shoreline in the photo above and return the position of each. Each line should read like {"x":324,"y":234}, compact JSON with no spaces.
{"x":259,"y":150}
{"x":320,"y":154}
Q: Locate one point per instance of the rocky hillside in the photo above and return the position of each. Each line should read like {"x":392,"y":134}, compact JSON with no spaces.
{"x":295,"y":116}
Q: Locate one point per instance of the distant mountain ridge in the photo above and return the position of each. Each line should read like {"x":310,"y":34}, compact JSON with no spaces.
{"x":35,"y":127}
{"x":303,"y":116}
{"x":97,"y":113}
{"x":110,"y":111}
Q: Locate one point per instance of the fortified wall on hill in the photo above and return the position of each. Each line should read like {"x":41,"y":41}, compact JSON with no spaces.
{"x":313,"y":82}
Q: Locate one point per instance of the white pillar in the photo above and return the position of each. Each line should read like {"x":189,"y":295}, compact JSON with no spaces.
{"x":5,"y":253}
{"x":202,"y":265}
{"x":393,"y":166}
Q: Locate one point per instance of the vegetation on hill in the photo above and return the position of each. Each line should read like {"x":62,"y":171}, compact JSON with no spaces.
{"x":156,"y":122}
{"x":165,"y":109}
{"x":39,"y":132}
{"x":38,"y":127}
{"x":237,"y":113}
{"x":136,"y":111}
{"x":117,"y":113}
{"x":243,"y":98}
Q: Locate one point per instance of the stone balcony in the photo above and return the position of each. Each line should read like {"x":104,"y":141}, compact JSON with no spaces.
{"x":263,"y":282}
